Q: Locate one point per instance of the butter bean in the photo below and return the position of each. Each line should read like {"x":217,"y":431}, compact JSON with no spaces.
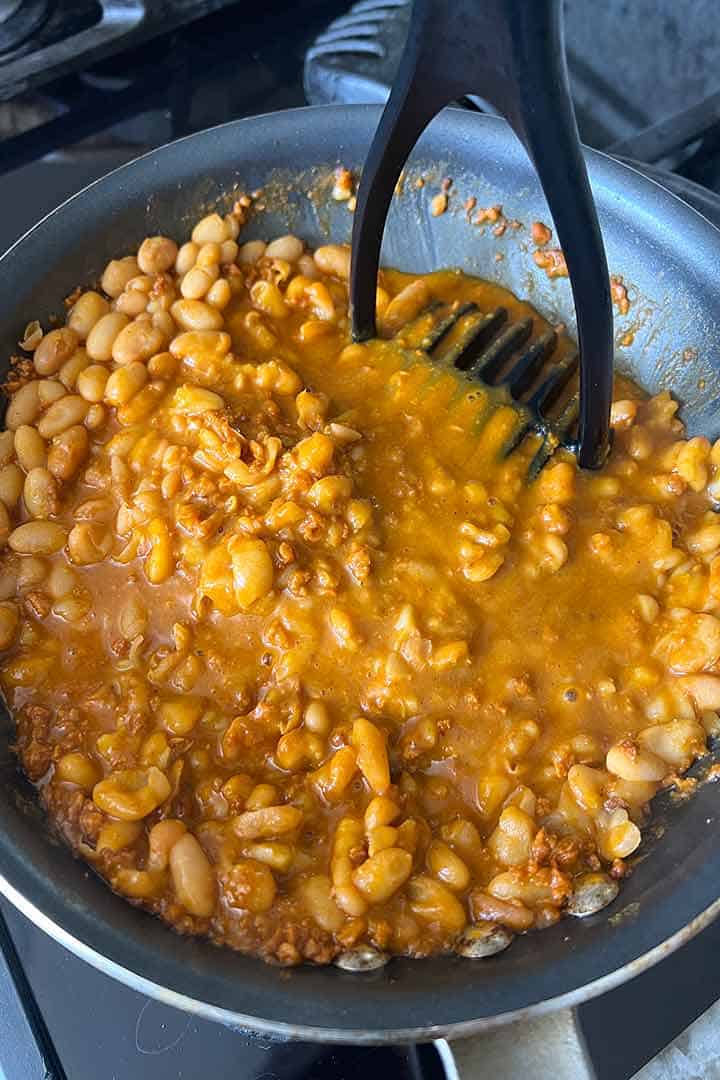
{"x":91,"y":382}
{"x":211,"y":229}
{"x":102,"y":337}
{"x":117,"y":273}
{"x":334,"y":259}
{"x":40,"y":493}
{"x":50,"y":391}
{"x":186,"y":258}
{"x":629,"y":761}
{"x":67,"y":452}
{"x":196,"y":315}
{"x":24,"y":406}
{"x":72,"y":367}
{"x":30,"y":447}
{"x":11,"y":485}
{"x":38,"y":538}
{"x":56,"y":347}
{"x":62,"y":414}
{"x":157,"y":254}
{"x":433,"y":902}
{"x":380,"y":876}
{"x":285,"y":247}
{"x":448,"y":867}
{"x":219,"y":295}
{"x":88,"y":309}
{"x":137,"y":341}
{"x":124,"y":383}
{"x":251,"y":251}
{"x":195,"y":284}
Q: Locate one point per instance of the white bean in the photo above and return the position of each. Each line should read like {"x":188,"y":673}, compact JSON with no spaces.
{"x":24,"y":406}
{"x":69,"y":410}
{"x":250,"y":252}
{"x":40,"y":493}
{"x":211,"y":230}
{"x":86,"y":311}
{"x":38,"y":538}
{"x":193,"y":876}
{"x":630,"y":762}
{"x":285,"y":247}
{"x":101,"y":338}
{"x":11,"y":485}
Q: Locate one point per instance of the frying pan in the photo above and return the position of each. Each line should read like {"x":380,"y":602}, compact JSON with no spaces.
{"x":669,"y":257}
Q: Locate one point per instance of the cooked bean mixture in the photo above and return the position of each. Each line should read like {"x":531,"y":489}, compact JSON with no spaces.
{"x":297,"y":663}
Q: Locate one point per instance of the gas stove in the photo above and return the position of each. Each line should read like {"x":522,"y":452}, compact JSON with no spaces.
{"x":88,"y":84}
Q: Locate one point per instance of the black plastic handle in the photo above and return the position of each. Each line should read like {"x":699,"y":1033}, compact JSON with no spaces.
{"x":510,"y":52}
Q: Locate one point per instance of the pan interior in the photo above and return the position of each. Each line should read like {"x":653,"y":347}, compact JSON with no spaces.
{"x":668,"y":257}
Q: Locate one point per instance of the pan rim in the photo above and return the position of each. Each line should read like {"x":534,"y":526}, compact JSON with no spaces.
{"x":355,"y":1036}
{"x":602,"y":168}
{"x":595,"y":158}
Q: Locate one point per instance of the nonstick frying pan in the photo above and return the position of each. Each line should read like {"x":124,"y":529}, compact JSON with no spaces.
{"x":669,"y":257}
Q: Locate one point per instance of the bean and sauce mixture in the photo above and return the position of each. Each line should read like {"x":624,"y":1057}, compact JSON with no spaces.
{"x":296,"y":662}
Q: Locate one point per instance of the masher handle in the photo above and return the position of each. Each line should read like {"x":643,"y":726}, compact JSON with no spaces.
{"x":511,"y":53}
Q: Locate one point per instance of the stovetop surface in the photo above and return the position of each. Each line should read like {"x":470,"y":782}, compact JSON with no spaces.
{"x":127,"y":1036}
{"x":105,"y":1031}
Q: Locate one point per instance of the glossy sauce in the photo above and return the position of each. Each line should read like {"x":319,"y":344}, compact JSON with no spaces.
{"x":366,"y":676}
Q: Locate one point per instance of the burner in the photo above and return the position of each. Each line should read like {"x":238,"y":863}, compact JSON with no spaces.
{"x":71,"y":36}
{"x":19,"y":20}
